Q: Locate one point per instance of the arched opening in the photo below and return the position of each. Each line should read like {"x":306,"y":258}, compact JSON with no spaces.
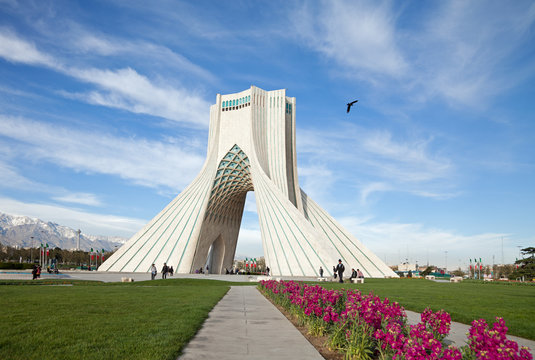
{"x":250,"y":239}
{"x":216,"y":254}
{"x":224,"y":212}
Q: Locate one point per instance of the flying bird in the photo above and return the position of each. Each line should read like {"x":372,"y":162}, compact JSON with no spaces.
{"x":350,"y":104}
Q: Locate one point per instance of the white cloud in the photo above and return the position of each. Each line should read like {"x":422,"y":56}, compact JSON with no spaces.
{"x":371,"y":188}
{"x":10,"y":178}
{"x":397,"y":241}
{"x":123,"y":88}
{"x":249,"y":243}
{"x":465,"y":45}
{"x":128,"y":90}
{"x":79,"y":198}
{"x":17,"y":50}
{"x":89,"y":43}
{"x":409,"y":161}
{"x":462,"y":52}
{"x":149,"y":163}
{"x":90,"y":223}
{"x":250,"y":203}
{"x":375,"y":162}
{"x":358,"y":35}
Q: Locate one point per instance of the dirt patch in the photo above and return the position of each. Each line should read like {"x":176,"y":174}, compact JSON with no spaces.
{"x":319,"y":342}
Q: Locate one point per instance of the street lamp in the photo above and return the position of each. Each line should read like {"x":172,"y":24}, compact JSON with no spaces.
{"x":31,"y":249}
{"x":446,"y":268}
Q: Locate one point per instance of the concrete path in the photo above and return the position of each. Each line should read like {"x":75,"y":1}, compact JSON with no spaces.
{"x":244,"y":324}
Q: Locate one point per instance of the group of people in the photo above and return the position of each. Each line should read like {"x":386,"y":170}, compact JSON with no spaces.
{"x":338,"y":271}
{"x":165,"y":270}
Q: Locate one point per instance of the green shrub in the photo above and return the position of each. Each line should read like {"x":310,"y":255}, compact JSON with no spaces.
{"x":15,"y":266}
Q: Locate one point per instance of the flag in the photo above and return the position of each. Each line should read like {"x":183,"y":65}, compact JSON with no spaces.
{"x":470,"y":264}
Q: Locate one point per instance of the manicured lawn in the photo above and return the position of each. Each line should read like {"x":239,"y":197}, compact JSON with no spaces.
{"x":89,"y":320}
{"x":465,"y":301}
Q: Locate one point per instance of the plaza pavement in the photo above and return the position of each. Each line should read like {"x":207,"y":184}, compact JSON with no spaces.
{"x":243,"y":322}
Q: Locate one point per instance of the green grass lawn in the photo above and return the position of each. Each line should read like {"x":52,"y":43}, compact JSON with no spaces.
{"x":465,"y":301}
{"x":91,"y":320}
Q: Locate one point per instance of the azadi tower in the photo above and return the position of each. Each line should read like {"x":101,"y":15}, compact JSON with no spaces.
{"x":251,"y":147}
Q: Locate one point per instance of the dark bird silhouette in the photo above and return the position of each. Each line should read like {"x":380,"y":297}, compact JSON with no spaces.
{"x":350,"y":104}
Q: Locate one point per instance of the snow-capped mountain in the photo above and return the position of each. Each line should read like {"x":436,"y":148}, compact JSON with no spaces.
{"x":19,"y":230}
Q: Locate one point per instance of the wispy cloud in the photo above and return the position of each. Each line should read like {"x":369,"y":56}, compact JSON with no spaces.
{"x":398,"y":241}
{"x":371,"y":188}
{"x":128,"y":90}
{"x":467,"y":45}
{"x":359,"y":35}
{"x":17,"y":50}
{"x":123,"y":88}
{"x":103,"y":45}
{"x":79,"y":198}
{"x":378,"y":162}
{"x":456,"y":51}
{"x":10,"y":178}
{"x":90,"y":223}
{"x":145,"y":162}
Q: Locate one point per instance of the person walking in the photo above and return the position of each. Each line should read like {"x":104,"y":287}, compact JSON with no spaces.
{"x":34,"y":272}
{"x":153,"y":272}
{"x":340,"y":270}
{"x":321,"y":271}
{"x":171,"y":270}
{"x":165,"y":269}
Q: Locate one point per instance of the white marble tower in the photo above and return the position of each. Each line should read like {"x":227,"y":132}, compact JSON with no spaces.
{"x":251,"y":146}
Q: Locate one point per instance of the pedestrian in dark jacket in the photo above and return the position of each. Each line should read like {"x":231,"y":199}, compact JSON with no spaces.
{"x":165,"y":270}
{"x":340,"y":270}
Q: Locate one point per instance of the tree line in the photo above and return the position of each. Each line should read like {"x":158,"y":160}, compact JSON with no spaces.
{"x":64,"y":258}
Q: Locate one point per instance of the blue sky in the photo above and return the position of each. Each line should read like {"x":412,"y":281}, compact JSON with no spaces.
{"x":104,"y":109}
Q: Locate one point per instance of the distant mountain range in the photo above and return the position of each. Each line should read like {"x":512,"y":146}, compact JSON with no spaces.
{"x":18,"y":231}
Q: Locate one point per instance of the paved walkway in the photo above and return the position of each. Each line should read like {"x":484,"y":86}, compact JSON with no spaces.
{"x":244,"y":324}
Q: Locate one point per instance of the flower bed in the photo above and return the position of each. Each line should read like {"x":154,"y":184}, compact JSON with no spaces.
{"x":366,"y":327}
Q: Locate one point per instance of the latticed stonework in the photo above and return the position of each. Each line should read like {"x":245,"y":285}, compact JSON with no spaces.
{"x":251,"y":147}
{"x":232,"y":182}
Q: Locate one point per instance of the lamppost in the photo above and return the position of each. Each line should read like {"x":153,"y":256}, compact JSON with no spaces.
{"x":446,"y":268}
{"x":31,"y":249}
